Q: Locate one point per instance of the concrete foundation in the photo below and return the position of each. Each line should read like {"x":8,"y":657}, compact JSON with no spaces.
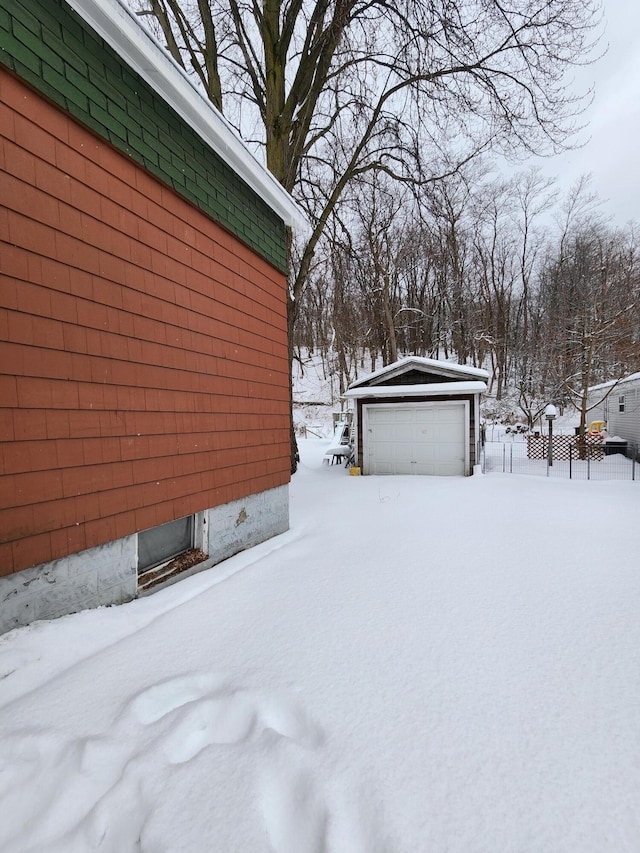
{"x":240,"y":524}
{"x":108,"y":574}
{"x":102,"y":575}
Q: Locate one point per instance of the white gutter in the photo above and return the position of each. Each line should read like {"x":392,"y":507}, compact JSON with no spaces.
{"x":431,"y":389}
{"x":122,"y":31}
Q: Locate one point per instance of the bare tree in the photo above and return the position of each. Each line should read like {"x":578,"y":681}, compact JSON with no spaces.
{"x":413,"y":88}
{"x":449,"y":204}
{"x":592,"y":305}
{"x":393,"y":267}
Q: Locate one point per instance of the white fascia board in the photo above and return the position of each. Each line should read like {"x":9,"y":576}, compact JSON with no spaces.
{"x":405,"y":364}
{"x":429,"y":390}
{"x":119,"y":27}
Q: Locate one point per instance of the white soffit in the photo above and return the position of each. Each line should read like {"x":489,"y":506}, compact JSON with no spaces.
{"x":121,"y":30}
{"x":431,"y":389}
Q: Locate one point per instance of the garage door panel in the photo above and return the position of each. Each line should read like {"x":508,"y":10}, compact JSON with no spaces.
{"x":382,"y":450}
{"x":402,"y":432}
{"x":389,"y":436}
{"x":403,"y":416}
{"x":448,"y":470}
{"x":383,"y":468}
{"x":447,"y":435}
{"x":390,"y":433}
{"x":426,"y":470}
{"x":380,"y":416}
{"x":425,"y":452}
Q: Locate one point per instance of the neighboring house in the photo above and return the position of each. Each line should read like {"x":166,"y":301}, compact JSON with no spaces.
{"x":418,"y":416}
{"x":144,"y":380}
{"x":617,"y":403}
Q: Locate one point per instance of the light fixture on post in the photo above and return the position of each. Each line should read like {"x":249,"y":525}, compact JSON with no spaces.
{"x":550,"y":414}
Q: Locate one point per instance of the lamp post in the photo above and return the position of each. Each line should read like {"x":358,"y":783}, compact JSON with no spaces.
{"x":550,"y":414}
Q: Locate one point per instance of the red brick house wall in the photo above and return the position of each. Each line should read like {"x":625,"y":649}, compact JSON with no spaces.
{"x":143,"y":349}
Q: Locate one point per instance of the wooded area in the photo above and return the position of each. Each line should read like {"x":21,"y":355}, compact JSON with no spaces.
{"x":542,"y":291}
{"x":380,"y":118}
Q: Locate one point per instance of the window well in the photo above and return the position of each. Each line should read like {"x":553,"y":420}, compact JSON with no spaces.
{"x":160,"y":544}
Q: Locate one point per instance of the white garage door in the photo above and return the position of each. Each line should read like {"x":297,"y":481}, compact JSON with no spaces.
{"x":428,"y":438}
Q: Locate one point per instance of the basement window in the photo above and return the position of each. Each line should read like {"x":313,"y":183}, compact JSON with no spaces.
{"x":161,"y":544}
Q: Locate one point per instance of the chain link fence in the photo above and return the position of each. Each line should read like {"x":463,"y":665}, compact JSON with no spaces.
{"x":570,"y":457}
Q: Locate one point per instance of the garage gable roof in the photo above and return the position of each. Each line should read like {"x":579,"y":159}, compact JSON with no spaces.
{"x":429,"y":370}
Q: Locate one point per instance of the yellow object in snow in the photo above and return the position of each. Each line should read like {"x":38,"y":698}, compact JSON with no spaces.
{"x":355,"y":472}
{"x":597,"y":427}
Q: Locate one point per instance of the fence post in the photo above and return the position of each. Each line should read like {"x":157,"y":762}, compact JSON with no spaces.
{"x":588,"y":449}
{"x":504,"y":452}
{"x":547,"y":454}
{"x":570,"y":459}
{"x":511,"y":459}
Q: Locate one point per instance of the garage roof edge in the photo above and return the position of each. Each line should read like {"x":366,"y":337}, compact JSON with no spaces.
{"x":445,"y":368}
{"x":431,"y":389}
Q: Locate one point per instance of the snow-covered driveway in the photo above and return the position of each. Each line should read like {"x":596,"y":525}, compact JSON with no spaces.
{"x":419,"y":664}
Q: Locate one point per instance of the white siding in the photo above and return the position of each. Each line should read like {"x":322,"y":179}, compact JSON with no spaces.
{"x":624,"y":424}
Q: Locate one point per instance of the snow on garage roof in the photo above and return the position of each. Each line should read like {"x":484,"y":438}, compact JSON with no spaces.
{"x":430,"y":389}
{"x":122,"y":31}
{"x":431,"y":365}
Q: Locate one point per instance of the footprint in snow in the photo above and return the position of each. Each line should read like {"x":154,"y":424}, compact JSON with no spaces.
{"x":300,"y":813}
{"x":71,"y":781}
{"x":207,"y":709}
{"x":294,"y":811}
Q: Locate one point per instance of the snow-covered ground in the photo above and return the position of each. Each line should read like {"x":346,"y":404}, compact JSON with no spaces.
{"x":420,"y":664}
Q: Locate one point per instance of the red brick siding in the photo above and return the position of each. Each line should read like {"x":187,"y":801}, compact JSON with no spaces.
{"x":143,"y":350}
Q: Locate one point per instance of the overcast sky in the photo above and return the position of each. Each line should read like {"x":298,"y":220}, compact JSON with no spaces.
{"x":612,"y":154}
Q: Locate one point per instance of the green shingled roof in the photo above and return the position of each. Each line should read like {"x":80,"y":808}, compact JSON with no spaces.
{"x":50,"y":47}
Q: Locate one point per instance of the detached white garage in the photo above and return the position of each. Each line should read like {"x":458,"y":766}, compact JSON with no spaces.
{"x":418,"y":416}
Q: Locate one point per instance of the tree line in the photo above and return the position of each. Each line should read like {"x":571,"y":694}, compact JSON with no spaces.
{"x":357,"y":104}
{"x":506,"y":274}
